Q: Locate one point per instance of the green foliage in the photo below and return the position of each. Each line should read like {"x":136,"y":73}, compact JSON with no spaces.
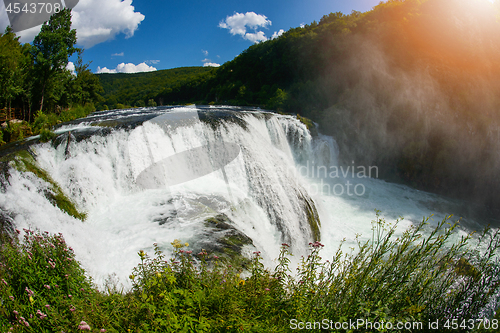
{"x":76,"y":112}
{"x":46,"y":135}
{"x":43,"y":124}
{"x":51,"y":50}
{"x":14,"y":67}
{"x":15,"y":130}
{"x":139,"y":88}
{"x":32,"y":76}
{"x":409,"y":278}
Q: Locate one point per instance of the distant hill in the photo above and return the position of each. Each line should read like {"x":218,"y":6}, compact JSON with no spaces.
{"x":138,"y":89}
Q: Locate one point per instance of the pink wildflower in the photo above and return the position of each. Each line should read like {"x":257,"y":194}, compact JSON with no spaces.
{"x":84,"y":326}
{"x":30,"y":292}
{"x":11,"y":298}
{"x":41,"y":314}
{"x":46,"y":286}
{"x":102,"y":330}
{"x":316,"y":244}
{"x":22,"y":320}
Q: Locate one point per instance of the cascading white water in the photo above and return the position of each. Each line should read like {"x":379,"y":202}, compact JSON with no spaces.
{"x":255,"y":189}
{"x":136,"y":192}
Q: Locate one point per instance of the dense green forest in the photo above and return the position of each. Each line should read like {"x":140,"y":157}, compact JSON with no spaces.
{"x":412,"y":86}
{"x":141,"y":89}
{"x":37,"y":88}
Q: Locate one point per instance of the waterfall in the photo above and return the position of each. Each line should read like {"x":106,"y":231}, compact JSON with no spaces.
{"x":164,"y":177}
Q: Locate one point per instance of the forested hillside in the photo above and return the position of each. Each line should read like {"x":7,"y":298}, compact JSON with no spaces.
{"x":140,"y":89}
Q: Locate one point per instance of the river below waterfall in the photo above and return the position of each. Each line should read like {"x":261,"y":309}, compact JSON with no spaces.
{"x":154,"y":175}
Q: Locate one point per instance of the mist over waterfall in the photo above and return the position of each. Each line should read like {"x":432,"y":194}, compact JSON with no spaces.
{"x":208,"y":176}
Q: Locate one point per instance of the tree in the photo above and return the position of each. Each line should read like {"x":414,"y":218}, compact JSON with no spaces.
{"x":13,"y":62}
{"x":51,"y":50}
{"x":83,"y":86}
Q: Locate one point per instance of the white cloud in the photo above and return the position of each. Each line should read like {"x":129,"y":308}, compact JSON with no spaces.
{"x":71,"y":67}
{"x":152,"y":62}
{"x":95,"y":21}
{"x":211,"y":64}
{"x":205,"y":52}
{"x":121,"y":54}
{"x":276,"y":34}
{"x":255,"y":37}
{"x":208,"y":63}
{"x":238,"y":23}
{"x":127,"y":68}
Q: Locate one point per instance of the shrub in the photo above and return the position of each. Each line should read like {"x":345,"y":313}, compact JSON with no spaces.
{"x":46,"y":135}
{"x":76,"y":112}
{"x":410,"y":278}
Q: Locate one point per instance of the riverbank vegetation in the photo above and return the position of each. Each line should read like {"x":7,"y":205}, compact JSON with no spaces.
{"x":389,"y":279}
{"x":40,"y":87}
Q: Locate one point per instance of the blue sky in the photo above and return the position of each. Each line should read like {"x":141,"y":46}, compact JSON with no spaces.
{"x":138,"y":35}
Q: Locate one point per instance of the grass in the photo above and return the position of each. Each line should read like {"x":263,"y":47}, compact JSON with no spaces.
{"x":405,"y":279}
